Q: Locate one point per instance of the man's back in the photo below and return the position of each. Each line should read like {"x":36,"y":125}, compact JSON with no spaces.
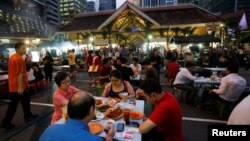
{"x":126,"y":72}
{"x":72,"y":130}
{"x":173,"y":68}
{"x":168,"y":118}
{"x":151,"y":73}
{"x":184,"y":77}
{"x":233,"y":86}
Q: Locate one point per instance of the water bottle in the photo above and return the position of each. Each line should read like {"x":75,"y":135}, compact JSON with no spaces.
{"x":98,"y":90}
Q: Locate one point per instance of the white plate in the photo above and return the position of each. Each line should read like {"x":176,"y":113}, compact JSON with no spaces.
{"x":99,"y":115}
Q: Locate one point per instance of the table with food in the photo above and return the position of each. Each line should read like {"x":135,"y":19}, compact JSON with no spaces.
{"x":200,"y":81}
{"x":125,"y":115}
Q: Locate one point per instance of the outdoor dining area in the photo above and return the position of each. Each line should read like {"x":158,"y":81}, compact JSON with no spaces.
{"x":125,"y":115}
{"x":128,"y":74}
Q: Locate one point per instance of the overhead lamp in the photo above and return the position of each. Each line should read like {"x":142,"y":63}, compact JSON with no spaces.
{"x":150,"y":36}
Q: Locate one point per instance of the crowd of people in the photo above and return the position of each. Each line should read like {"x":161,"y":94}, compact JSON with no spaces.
{"x":116,"y":76}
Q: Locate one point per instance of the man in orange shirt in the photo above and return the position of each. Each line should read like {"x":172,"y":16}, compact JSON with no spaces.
{"x":18,"y":87}
{"x":71,"y":56}
{"x":72,"y":64}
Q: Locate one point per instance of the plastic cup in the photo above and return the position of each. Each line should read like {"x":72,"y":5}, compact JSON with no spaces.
{"x":126,"y":113}
{"x":124,"y":96}
{"x":109,"y":125}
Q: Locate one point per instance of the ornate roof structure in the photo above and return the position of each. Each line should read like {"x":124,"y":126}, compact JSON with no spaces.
{"x":131,"y":24}
{"x":165,"y":16}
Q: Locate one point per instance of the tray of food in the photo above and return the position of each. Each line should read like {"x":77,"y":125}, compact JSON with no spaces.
{"x":114,"y":113}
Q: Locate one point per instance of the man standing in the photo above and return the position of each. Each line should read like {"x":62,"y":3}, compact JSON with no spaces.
{"x":81,"y":110}
{"x":72,"y":64}
{"x":166,"y":117}
{"x":18,"y":87}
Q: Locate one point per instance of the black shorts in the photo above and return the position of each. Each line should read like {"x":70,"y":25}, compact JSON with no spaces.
{"x":72,"y":68}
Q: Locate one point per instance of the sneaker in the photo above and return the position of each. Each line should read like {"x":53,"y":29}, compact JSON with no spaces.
{"x":8,"y":126}
{"x":30,"y":118}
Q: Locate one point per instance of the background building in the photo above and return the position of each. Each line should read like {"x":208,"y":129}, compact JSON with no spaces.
{"x":107,"y":5}
{"x":52,"y":12}
{"x":93,"y":5}
{"x":90,"y":6}
{"x":135,"y":2}
{"x":190,"y":1}
{"x":149,"y":3}
{"x":68,"y":8}
{"x":227,"y":6}
{"x":19,"y":18}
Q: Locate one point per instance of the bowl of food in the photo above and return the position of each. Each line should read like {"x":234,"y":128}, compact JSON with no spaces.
{"x":98,"y":102}
{"x":103,"y":108}
{"x":136,"y":115}
{"x":114,"y":113}
{"x":98,"y":115}
{"x":95,"y":127}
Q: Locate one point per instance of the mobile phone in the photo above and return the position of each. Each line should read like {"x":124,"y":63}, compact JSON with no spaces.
{"x":134,"y":124}
{"x":120,"y":127}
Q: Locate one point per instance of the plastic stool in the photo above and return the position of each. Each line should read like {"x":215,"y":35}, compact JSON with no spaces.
{"x":42,"y":83}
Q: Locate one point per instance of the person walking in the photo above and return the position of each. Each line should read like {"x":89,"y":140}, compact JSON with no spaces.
{"x":18,"y":87}
{"x":48,"y":67}
{"x":72,"y":64}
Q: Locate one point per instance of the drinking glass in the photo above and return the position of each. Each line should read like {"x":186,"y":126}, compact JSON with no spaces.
{"x":126,"y":113}
{"x":124,"y":96}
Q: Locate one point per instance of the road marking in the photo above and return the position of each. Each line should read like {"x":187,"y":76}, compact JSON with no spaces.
{"x":184,"y":118}
{"x":35,"y":103}
{"x":203,"y":120}
{"x":42,"y":104}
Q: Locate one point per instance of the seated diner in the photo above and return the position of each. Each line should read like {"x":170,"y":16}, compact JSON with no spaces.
{"x":117,"y":86}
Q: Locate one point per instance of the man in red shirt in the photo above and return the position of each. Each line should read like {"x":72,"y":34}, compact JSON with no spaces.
{"x":166,"y":117}
{"x":18,"y":87}
{"x":104,"y":72}
{"x":172,"y":68}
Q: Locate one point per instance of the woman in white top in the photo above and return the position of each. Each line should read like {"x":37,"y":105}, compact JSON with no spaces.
{"x":30,"y":73}
{"x":136,"y":69}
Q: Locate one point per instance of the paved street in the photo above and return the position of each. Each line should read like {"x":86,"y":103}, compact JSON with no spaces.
{"x":195,"y":121}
